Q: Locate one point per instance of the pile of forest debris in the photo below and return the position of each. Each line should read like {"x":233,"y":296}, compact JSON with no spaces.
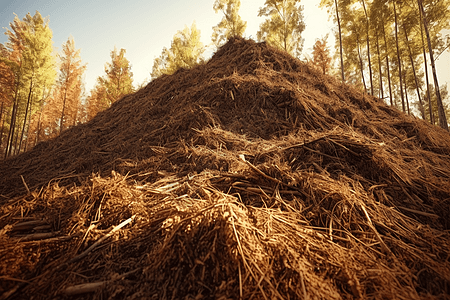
{"x":250,"y":176}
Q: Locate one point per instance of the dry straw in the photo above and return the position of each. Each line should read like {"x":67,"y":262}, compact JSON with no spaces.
{"x":252,"y":176}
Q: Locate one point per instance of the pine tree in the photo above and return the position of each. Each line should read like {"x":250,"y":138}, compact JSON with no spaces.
{"x":321,"y":55}
{"x":284,"y":26}
{"x":367,"y":31}
{"x":7,"y":87}
{"x":96,"y":101}
{"x":440,"y":106}
{"x":31,"y":40}
{"x":185,"y":51}
{"x":231,"y":24}
{"x":70,"y":83}
{"x":117,"y":83}
{"x":333,"y":4}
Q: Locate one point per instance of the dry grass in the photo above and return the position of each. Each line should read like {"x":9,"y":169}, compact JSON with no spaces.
{"x":251,"y":176}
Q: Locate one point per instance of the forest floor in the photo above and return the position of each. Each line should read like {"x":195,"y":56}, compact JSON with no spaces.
{"x":250,"y":176}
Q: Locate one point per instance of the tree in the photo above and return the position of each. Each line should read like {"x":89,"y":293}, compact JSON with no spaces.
{"x":117,"y":83}
{"x":351,"y":18}
{"x":411,"y":57}
{"x":368,"y":45}
{"x":441,"y":112}
{"x":329,"y":4}
{"x":398,"y":56}
{"x":60,"y":106}
{"x":374,"y":24}
{"x":96,"y":101}
{"x":34,"y":68}
{"x":433,"y":102}
{"x":321,"y":55}
{"x":70,"y":83}
{"x":6,"y":89}
{"x":284,"y":26}
{"x":231,"y":24}
{"x":185,"y":51}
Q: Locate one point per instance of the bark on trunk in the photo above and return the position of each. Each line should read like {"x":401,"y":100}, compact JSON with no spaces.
{"x":9,"y":141}
{"x":422,"y":112}
{"x":399,"y":59}
{"x":361,"y":67}
{"x":406,"y":94}
{"x":441,"y":113}
{"x":430,"y":107}
{"x":340,"y":41}
{"x":61,"y":123}
{"x":368,"y":48}
{"x":387,"y":63}
{"x":30,"y":91}
{"x":379,"y":69}
{"x":3,"y":125}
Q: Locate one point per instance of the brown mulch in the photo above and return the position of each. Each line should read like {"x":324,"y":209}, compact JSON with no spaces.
{"x":251,"y":176}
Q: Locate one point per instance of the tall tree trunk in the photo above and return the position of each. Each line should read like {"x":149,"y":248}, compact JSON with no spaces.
{"x":28,"y":126}
{"x":422,"y":112}
{"x":12,"y":125}
{"x":368,"y":47}
{"x":361,"y":66}
{"x":340,"y":41}
{"x":38,"y":129}
{"x":430,"y":107}
{"x":406,"y":94}
{"x":62,"y":113}
{"x":399,"y":59}
{"x":379,"y":69}
{"x":15,"y":145}
{"x":387,"y":62}
{"x":441,"y":113}
{"x":3,"y":125}
{"x":30,"y":91}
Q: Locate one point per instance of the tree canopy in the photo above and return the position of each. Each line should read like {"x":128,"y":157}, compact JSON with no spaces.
{"x":70,"y":83}
{"x":384,"y":46}
{"x":117,"y":83}
{"x":186,"y":50}
{"x":387,"y":48}
{"x":284,"y":25}
{"x":29,"y":56}
{"x":231,"y":23}
{"x":321,"y":55}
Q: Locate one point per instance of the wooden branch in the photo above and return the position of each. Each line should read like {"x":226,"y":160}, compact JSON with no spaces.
{"x":83,"y":288}
{"x":97,"y":243}
{"x":92,"y":286}
{"x":38,"y":236}
{"x":28,"y":225}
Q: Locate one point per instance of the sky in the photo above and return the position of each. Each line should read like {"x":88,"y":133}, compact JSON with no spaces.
{"x":144,"y":27}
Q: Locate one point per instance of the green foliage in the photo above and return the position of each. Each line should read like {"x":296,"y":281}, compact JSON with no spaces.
{"x":382,"y":42}
{"x":96,"y":101}
{"x":70,"y":82}
{"x":185,"y":51}
{"x":33,"y":65}
{"x":117,"y":83}
{"x":284,"y":26}
{"x":231,"y":23}
{"x":6,"y":77}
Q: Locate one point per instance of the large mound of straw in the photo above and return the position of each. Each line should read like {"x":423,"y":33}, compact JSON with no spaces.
{"x":252,"y":176}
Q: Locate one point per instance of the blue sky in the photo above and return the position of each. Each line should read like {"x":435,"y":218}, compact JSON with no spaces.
{"x":144,"y":27}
